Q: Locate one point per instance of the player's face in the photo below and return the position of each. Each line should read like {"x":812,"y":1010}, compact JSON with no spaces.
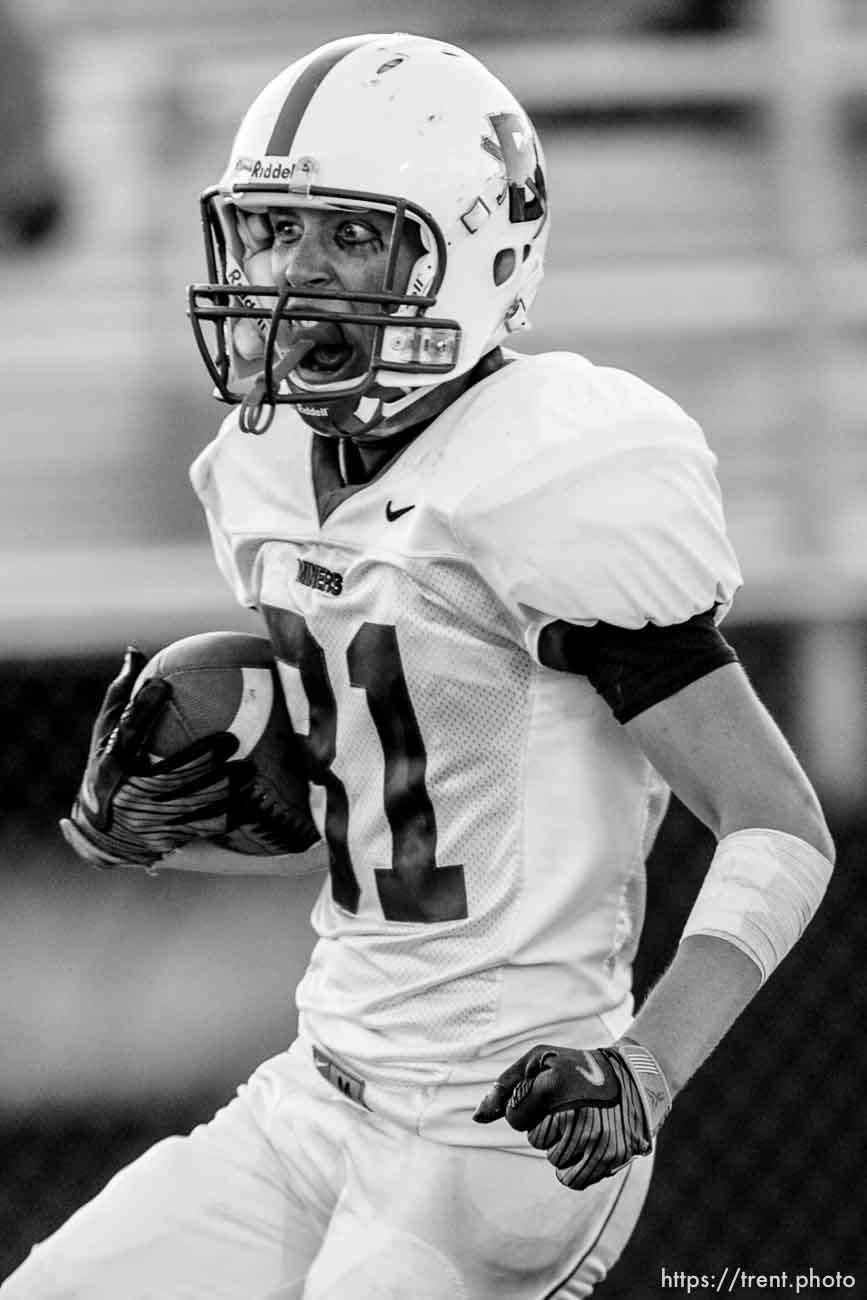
{"x":337,"y":251}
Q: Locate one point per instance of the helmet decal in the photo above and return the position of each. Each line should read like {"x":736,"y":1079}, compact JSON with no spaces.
{"x":514,"y":147}
{"x":298,"y":100}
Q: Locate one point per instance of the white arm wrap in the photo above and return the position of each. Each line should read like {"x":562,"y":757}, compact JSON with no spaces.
{"x":761,"y":890}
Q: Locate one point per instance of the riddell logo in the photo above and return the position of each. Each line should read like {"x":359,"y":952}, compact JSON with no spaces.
{"x":259,"y":170}
{"x":277,"y":169}
{"x":271,"y":171}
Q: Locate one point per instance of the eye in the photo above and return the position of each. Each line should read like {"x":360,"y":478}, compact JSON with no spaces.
{"x":358,"y":234}
{"x":284,"y":228}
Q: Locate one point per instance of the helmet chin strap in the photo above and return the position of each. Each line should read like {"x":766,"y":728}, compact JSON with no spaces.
{"x":412,"y":406}
{"x":368,"y":414}
{"x":357,"y":417}
{"x":372,"y":411}
{"x":362,"y":418}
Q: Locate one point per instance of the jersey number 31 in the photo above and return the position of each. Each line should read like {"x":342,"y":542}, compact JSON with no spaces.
{"x":415,"y":888}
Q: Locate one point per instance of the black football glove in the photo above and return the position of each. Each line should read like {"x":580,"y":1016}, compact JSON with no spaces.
{"x":592,"y":1111}
{"x":131,"y":810}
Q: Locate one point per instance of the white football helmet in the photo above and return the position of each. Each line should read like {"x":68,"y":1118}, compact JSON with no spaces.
{"x":419,"y":130}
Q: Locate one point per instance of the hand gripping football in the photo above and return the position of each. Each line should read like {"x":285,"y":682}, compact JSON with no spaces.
{"x":228,"y":681}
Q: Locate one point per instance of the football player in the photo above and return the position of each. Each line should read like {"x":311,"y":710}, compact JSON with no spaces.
{"x":494,"y":583}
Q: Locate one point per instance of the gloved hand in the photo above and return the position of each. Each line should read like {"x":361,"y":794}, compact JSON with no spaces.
{"x":592,"y":1111}
{"x":132,"y":811}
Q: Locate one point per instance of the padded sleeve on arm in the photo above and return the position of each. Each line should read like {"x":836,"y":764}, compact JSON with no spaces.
{"x":635,"y":668}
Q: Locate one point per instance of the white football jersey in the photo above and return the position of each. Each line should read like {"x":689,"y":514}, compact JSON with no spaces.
{"x":487,"y":819}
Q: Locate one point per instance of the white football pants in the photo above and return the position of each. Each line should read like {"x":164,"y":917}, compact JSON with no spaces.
{"x":295,"y":1192}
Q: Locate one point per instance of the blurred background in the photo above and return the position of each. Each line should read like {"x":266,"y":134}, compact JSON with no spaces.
{"x":707,"y":171}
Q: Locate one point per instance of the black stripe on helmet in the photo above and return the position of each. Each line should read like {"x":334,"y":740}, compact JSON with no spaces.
{"x":299,"y":97}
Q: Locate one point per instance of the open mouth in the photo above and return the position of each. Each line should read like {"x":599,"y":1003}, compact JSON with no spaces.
{"x":331,"y":353}
{"x":327,"y":359}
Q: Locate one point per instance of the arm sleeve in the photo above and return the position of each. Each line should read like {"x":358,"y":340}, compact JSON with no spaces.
{"x":635,"y":668}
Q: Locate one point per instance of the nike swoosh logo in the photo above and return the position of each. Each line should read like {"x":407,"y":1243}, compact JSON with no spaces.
{"x":391,"y":515}
{"x":592,"y":1071}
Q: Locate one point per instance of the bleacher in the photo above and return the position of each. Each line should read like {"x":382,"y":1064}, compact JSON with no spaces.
{"x":670,"y":256}
{"x":705,"y":193}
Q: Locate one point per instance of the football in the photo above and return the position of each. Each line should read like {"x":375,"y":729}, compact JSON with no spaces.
{"x":228,"y":681}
